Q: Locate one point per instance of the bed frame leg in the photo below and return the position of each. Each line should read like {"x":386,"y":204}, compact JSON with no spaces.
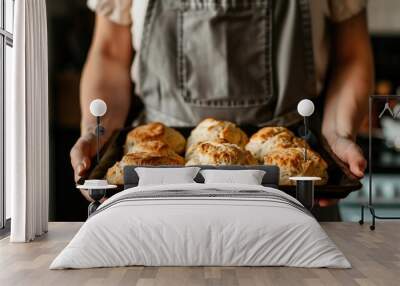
{"x":361,"y":221}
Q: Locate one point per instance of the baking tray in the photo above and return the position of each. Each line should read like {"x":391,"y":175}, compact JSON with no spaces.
{"x":340,"y":184}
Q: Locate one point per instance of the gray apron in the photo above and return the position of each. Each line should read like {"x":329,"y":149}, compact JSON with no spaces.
{"x":246,"y":61}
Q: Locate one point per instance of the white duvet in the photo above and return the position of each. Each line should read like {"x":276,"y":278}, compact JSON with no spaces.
{"x":186,"y":230}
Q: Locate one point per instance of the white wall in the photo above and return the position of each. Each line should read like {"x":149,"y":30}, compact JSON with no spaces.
{"x":384,"y":16}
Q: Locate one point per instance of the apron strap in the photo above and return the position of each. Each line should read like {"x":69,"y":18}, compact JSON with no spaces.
{"x":308,"y":47}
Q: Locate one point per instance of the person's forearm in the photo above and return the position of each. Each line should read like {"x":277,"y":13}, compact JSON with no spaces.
{"x":347,"y":99}
{"x":109,"y":80}
{"x":106,"y":76}
{"x":352,"y":79}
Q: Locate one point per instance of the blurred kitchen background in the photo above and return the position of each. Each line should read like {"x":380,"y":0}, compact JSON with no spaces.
{"x":70,"y":26}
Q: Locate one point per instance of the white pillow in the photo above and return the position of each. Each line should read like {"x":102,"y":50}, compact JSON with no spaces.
{"x":248,"y":177}
{"x":166,"y":176}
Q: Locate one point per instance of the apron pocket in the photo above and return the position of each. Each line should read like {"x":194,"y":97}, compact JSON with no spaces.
{"x":224,"y":55}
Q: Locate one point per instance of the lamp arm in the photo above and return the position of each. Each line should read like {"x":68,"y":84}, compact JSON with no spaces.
{"x":98,"y":139}
{"x":305,"y":136}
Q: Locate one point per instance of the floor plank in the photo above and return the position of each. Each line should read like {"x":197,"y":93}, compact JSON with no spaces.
{"x":375,"y":257}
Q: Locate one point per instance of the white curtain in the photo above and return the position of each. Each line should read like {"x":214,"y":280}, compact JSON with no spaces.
{"x":27,"y":139}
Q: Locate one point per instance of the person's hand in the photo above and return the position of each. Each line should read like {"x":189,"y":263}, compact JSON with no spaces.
{"x":81,"y":154}
{"x":350,"y":153}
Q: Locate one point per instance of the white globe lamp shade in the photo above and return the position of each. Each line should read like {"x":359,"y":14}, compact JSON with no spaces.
{"x":305,"y":108}
{"x":98,"y":107}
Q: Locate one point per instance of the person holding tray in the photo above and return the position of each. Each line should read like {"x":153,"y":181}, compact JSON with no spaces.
{"x":244,"y":61}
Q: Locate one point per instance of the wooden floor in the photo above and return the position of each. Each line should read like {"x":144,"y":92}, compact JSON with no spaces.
{"x":375,"y":257}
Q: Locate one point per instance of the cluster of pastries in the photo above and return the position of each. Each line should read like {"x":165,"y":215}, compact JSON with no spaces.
{"x":215,"y":142}
{"x":149,"y":145}
{"x":279,"y":146}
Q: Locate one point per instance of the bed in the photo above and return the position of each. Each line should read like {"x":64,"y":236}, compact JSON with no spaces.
{"x":201,"y":224}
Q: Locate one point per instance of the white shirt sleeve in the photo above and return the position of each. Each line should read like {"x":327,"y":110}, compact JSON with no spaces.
{"x":341,"y":10}
{"x":118,"y":11}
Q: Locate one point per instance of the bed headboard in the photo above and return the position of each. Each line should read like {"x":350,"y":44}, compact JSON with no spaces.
{"x":271,"y":177}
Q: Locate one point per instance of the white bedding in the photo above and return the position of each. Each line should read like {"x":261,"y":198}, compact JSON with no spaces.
{"x":185,"y":230}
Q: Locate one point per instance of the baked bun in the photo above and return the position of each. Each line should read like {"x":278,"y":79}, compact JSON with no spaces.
{"x":267,"y":132}
{"x":291,"y":163}
{"x":115,"y":174}
{"x":270,"y":138}
{"x":155,"y":147}
{"x":156,"y":131}
{"x":219,"y":131}
{"x":214,"y":153}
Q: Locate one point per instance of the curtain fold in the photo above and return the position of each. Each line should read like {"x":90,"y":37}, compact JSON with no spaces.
{"x":27,"y":141}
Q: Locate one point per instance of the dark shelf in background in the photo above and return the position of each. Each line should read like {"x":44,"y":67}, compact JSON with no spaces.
{"x":69,"y":204}
{"x":379,"y":150}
